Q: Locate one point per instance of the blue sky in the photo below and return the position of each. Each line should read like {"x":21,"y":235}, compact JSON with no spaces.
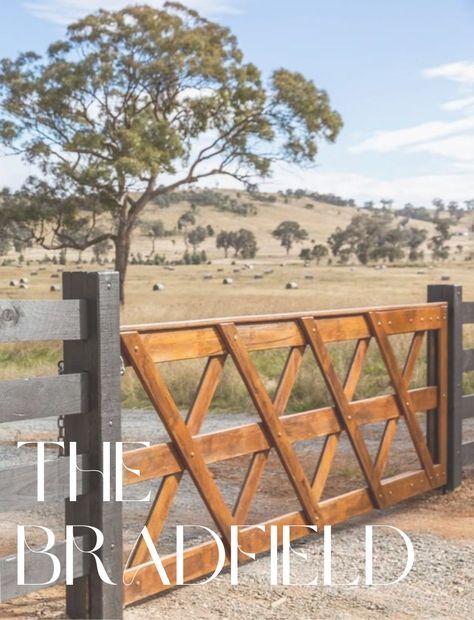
{"x":400,"y":73}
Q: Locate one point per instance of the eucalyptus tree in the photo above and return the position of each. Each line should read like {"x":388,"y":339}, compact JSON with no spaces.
{"x":135,"y":103}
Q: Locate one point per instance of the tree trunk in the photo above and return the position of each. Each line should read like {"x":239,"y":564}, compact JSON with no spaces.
{"x":122,"y":253}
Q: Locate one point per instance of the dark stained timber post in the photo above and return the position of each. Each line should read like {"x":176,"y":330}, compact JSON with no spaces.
{"x":99,"y":357}
{"x":452,"y":294}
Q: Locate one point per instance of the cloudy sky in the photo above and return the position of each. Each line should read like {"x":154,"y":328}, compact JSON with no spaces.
{"x":400,"y":73}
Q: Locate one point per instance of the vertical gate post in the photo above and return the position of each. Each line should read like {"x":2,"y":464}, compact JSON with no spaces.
{"x":99,"y":356}
{"x":452,"y":294}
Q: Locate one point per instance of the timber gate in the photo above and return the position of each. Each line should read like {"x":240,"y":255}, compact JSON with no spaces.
{"x":146,"y":347}
{"x":88,"y":396}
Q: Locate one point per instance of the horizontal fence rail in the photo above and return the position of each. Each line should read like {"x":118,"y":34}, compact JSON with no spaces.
{"x":38,"y":568}
{"x":227,"y":340}
{"x":18,"y":485}
{"x":26,"y":399}
{"x":88,"y":397}
{"x":22,"y":321}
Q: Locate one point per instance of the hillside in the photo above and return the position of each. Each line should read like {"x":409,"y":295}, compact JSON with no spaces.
{"x":320,"y":219}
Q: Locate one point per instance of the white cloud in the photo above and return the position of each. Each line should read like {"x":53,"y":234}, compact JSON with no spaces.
{"x":418,"y":189}
{"x":459,"y":148}
{"x":462,"y":72}
{"x":386,"y":141}
{"x":63,"y":12}
{"x":458,"y":104}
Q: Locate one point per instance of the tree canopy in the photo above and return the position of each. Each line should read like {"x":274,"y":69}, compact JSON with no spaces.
{"x":112,"y":115}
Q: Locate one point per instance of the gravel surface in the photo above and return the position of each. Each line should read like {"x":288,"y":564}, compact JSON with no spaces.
{"x":440,"y":527}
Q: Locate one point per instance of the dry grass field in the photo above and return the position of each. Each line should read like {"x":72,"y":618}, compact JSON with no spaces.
{"x":187,"y":295}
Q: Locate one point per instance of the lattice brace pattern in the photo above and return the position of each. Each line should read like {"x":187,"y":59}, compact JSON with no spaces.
{"x":235,"y":339}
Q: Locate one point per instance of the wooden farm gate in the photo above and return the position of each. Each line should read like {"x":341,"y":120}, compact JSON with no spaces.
{"x":221,"y":340}
{"x":88,"y":396}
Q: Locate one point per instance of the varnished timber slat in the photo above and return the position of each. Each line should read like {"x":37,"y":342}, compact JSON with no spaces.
{"x":162,"y":459}
{"x":272,"y":423}
{"x":402,"y":393}
{"x":170,"y":484}
{"x":343,"y":410}
{"x":189,"y":340}
{"x":259,"y":460}
{"x":330,"y":445}
{"x":145,"y":346}
{"x":412,"y":357}
{"x":202,"y":559}
{"x":189,"y":453}
{"x":274,"y":318}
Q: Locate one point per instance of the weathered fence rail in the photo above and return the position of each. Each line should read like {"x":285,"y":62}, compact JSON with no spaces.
{"x":460,"y":361}
{"x":88,"y":396}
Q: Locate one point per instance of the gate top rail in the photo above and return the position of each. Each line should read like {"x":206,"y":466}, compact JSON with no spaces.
{"x":182,"y":340}
{"x":272,"y":318}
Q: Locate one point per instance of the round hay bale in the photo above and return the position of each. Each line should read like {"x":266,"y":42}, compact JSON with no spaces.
{"x":207,"y":276}
{"x":227,"y":281}
{"x":23,"y":285}
{"x":291,"y":285}
{"x":308,"y":276}
{"x":258,"y":276}
{"x":54,"y":288}
{"x":158,"y":286}
{"x":445,"y":277}
{"x":13,"y":282}
{"x":267,"y":271}
{"x":24,"y":281}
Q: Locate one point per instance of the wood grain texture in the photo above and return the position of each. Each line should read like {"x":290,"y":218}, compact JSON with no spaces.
{"x":170,"y":484}
{"x":99,"y":356}
{"x":189,"y":339}
{"x":18,"y":485}
{"x":146,"y":346}
{"x":271,"y":421}
{"x":21,"y":321}
{"x":25,"y":399}
{"x":343,"y":410}
{"x":162,"y":459}
{"x":38,"y":569}
{"x":467,"y":312}
{"x":468,"y":360}
{"x":201,"y":559}
{"x":189,"y":452}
